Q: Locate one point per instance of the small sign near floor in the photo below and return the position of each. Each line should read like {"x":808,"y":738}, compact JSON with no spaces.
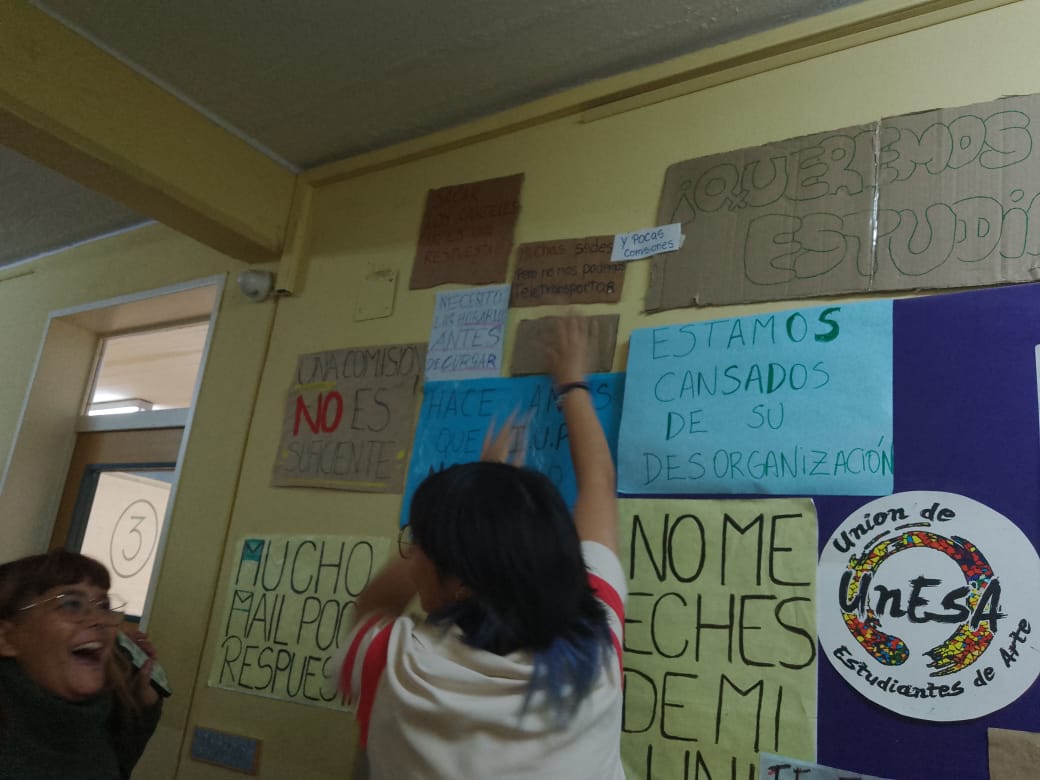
{"x":231,"y":751}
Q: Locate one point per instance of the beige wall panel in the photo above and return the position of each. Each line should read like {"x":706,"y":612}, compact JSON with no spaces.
{"x":45,"y":447}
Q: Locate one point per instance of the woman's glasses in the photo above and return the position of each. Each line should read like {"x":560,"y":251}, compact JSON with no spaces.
{"x":405,"y":541}
{"x":76,"y":607}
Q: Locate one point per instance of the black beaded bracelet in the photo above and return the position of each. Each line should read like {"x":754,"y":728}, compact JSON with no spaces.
{"x":562,"y":391}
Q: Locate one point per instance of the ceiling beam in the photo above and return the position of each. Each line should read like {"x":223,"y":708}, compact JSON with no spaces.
{"x":74,"y":108}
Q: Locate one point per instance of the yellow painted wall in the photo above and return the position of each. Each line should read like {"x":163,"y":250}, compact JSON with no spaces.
{"x":581,"y":179}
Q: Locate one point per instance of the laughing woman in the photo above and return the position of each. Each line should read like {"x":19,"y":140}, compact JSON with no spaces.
{"x":70,"y":705}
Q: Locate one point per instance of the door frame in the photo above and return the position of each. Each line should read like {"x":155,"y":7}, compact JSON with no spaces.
{"x":45,"y":435}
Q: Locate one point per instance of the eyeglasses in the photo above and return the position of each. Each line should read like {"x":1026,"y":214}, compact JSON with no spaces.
{"x":76,"y":607}
{"x":405,"y":541}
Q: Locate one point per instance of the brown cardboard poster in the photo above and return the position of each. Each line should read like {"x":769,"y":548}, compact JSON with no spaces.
{"x":784,"y":220}
{"x":959,"y":196}
{"x":534,"y":336}
{"x":1013,"y":755}
{"x":570,"y":270}
{"x":349,"y":419}
{"x":467,"y":233}
{"x":936,"y":199}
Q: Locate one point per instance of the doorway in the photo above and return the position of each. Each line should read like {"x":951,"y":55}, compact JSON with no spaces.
{"x":40,"y":484}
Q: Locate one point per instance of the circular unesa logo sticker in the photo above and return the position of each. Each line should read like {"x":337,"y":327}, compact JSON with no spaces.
{"x":928,"y":605}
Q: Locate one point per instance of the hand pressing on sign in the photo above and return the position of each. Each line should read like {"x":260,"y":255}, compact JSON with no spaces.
{"x":509,"y":444}
{"x":595,"y":511}
{"x":568,"y":353}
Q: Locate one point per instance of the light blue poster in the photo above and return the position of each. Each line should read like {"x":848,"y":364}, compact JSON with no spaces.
{"x":456,"y":415}
{"x":796,"y":402}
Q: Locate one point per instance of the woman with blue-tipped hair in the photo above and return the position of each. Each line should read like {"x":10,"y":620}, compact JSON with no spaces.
{"x":515,"y":672}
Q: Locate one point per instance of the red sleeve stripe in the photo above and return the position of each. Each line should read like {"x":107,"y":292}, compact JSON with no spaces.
{"x":371,"y":672}
{"x":608,"y":596}
{"x":347,"y":672}
{"x":606,"y":593}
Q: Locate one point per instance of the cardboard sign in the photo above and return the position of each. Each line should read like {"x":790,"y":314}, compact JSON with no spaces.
{"x":790,"y":403}
{"x":720,"y":644}
{"x":572,"y":270}
{"x":950,"y":193}
{"x":733,"y":205}
{"x":1012,"y":754}
{"x":349,"y":419}
{"x":467,"y":233}
{"x":533,"y":337}
{"x":289,"y":604}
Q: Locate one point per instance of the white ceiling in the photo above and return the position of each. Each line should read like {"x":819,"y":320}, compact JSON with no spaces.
{"x":312,"y":81}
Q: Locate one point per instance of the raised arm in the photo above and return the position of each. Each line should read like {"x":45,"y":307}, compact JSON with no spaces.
{"x":390,"y":590}
{"x":595,"y":512}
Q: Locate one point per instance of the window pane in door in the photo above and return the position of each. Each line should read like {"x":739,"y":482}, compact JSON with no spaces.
{"x":123,"y":529}
{"x":157,"y":367}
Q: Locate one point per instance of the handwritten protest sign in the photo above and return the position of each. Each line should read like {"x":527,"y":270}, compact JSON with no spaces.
{"x":289,"y":604}
{"x":467,"y":233}
{"x":720,"y":635}
{"x":938,"y":198}
{"x":774,"y":767}
{"x":467,"y":335}
{"x":533,"y":338}
{"x":572,"y":270}
{"x":640,"y":244}
{"x":348,"y":418}
{"x":455,"y":416}
{"x":796,"y":403}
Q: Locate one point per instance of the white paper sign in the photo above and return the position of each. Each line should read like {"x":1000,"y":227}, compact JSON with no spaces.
{"x":647,"y":243}
{"x":123,"y":530}
{"x":467,"y":335}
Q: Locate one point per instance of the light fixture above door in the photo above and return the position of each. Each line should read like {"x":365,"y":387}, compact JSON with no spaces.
{"x":121,"y":406}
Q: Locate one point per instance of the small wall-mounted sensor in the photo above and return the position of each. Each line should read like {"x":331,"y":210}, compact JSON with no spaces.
{"x":256,"y":285}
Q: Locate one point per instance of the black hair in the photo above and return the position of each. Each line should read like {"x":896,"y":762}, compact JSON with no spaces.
{"x":23,"y":580}
{"x":507,"y":534}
